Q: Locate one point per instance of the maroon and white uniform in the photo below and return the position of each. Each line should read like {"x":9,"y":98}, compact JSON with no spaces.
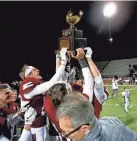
{"x":36,"y":102}
{"x":38,"y":127}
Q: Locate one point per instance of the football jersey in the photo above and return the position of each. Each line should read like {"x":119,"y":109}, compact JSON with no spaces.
{"x":51,"y":113}
{"x":126,"y":95}
{"x":114,"y":84}
{"x":11,"y":108}
{"x":37,"y":102}
{"x":96,"y":104}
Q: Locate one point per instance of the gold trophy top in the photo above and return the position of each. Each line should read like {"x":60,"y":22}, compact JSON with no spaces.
{"x":73,"y":19}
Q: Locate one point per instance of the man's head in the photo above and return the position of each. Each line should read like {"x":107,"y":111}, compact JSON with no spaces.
{"x":58,"y":91}
{"x":116,"y":77}
{"x":76,"y":117}
{"x":29,"y":71}
{"x":5,"y":93}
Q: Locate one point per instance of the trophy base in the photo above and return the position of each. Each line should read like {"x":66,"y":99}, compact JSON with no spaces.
{"x":65,"y":42}
{"x":80,"y":43}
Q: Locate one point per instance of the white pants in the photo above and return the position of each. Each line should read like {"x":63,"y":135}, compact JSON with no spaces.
{"x":126,"y":104}
{"x":25,"y":136}
{"x":2,"y":138}
{"x":41,"y":134}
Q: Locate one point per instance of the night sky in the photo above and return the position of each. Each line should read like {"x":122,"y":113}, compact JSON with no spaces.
{"x":29,"y":33}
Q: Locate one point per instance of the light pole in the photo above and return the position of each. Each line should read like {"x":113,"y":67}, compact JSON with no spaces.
{"x":108,"y":11}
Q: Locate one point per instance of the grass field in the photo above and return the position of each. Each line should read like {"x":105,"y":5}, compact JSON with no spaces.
{"x":115,"y":107}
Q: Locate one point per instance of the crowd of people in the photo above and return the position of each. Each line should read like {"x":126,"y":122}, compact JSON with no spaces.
{"x":62,"y":108}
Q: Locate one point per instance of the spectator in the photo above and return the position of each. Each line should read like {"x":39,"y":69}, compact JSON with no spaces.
{"x":77,"y":121}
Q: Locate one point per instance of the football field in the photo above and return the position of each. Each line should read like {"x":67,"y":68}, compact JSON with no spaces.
{"x":115,"y":107}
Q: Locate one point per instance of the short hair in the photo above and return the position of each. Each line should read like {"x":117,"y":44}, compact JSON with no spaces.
{"x":79,"y":110}
{"x":116,"y":77}
{"x":4,"y":86}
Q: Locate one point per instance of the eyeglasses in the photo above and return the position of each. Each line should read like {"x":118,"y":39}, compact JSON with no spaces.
{"x":67,"y":135}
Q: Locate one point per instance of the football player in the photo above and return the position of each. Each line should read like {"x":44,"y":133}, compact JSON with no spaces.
{"x":115,"y":86}
{"x":126,"y":95}
{"x":99,"y":93}
{"x":32,"y":91}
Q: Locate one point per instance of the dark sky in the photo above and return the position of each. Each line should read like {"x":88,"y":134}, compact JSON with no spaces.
{"x":29,"y":33}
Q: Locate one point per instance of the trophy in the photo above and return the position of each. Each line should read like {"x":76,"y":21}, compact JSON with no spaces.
{"x":71,"y":37}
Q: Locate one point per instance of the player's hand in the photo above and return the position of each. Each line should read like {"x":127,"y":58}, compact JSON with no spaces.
{"x":63,"y":55}
{"x":80,"y":54}
{"x":30,"y":115}
{"x":88,"y":52}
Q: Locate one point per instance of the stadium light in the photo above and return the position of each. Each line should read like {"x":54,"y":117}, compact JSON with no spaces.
{"x":110,"y":39}
{"x":109,"y":9}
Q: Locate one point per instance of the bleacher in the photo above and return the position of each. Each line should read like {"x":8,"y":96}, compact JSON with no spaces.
{"x":101,"y":65}
{"x":116,"y":67}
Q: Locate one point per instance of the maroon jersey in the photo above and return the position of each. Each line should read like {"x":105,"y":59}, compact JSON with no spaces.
{"x":11,"y":108}
{"x":37,"y":102}
{"x":97,"y":106}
